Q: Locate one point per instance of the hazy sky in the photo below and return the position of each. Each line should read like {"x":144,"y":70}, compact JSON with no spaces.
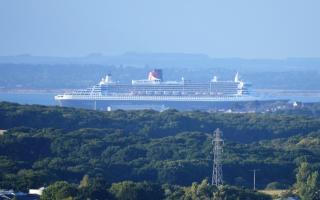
{"x":225,"y":28}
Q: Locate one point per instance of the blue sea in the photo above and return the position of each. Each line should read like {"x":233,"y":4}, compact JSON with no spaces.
{"x":48,"y":98}
{"x":29,"y":98}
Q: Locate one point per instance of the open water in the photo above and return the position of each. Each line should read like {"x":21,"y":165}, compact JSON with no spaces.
{"x":29,"y":98}
{"x":48,"y":98}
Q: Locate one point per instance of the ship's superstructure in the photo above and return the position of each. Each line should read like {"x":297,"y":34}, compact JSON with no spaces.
{"x":155,"y":93}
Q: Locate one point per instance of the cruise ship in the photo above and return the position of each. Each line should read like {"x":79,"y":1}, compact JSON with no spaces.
{"x":155,"y":93}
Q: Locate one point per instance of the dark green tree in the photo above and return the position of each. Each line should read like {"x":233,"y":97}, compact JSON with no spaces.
{"x":59,"y":191}
{"x":128,"y":190}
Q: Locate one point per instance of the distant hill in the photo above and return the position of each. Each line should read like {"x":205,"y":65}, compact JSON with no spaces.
{"x":165,"y":60}
{"x":27,"y":71}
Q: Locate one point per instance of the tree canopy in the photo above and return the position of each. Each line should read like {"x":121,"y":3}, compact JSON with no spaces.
{"x":43,"y":145}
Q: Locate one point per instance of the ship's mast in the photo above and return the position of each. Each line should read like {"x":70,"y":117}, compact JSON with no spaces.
{"x":217,"y":143}
{"x":237,"y":78}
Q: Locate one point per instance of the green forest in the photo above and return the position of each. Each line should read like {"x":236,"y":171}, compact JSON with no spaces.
{"x":107,"y":155}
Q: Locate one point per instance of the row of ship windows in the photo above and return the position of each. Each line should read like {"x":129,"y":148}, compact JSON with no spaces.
{"x":158,"y":93}
{"x":156,"y":90}
{"x":165,"y":88}
{"x":168,"y":85}
{"x":161,"y":91}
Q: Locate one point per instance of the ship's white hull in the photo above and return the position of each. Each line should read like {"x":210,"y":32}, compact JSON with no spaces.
{"x":158,"y":102}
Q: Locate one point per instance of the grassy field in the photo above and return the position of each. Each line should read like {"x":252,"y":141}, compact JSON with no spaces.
{"x":274,"y":193}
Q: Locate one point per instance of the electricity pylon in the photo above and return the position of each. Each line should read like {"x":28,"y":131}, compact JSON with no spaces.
{"x":217,"y":143}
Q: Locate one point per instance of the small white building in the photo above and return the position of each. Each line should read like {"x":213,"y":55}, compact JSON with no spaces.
{"x":2,"y":131}
{"x":36,"y":191}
